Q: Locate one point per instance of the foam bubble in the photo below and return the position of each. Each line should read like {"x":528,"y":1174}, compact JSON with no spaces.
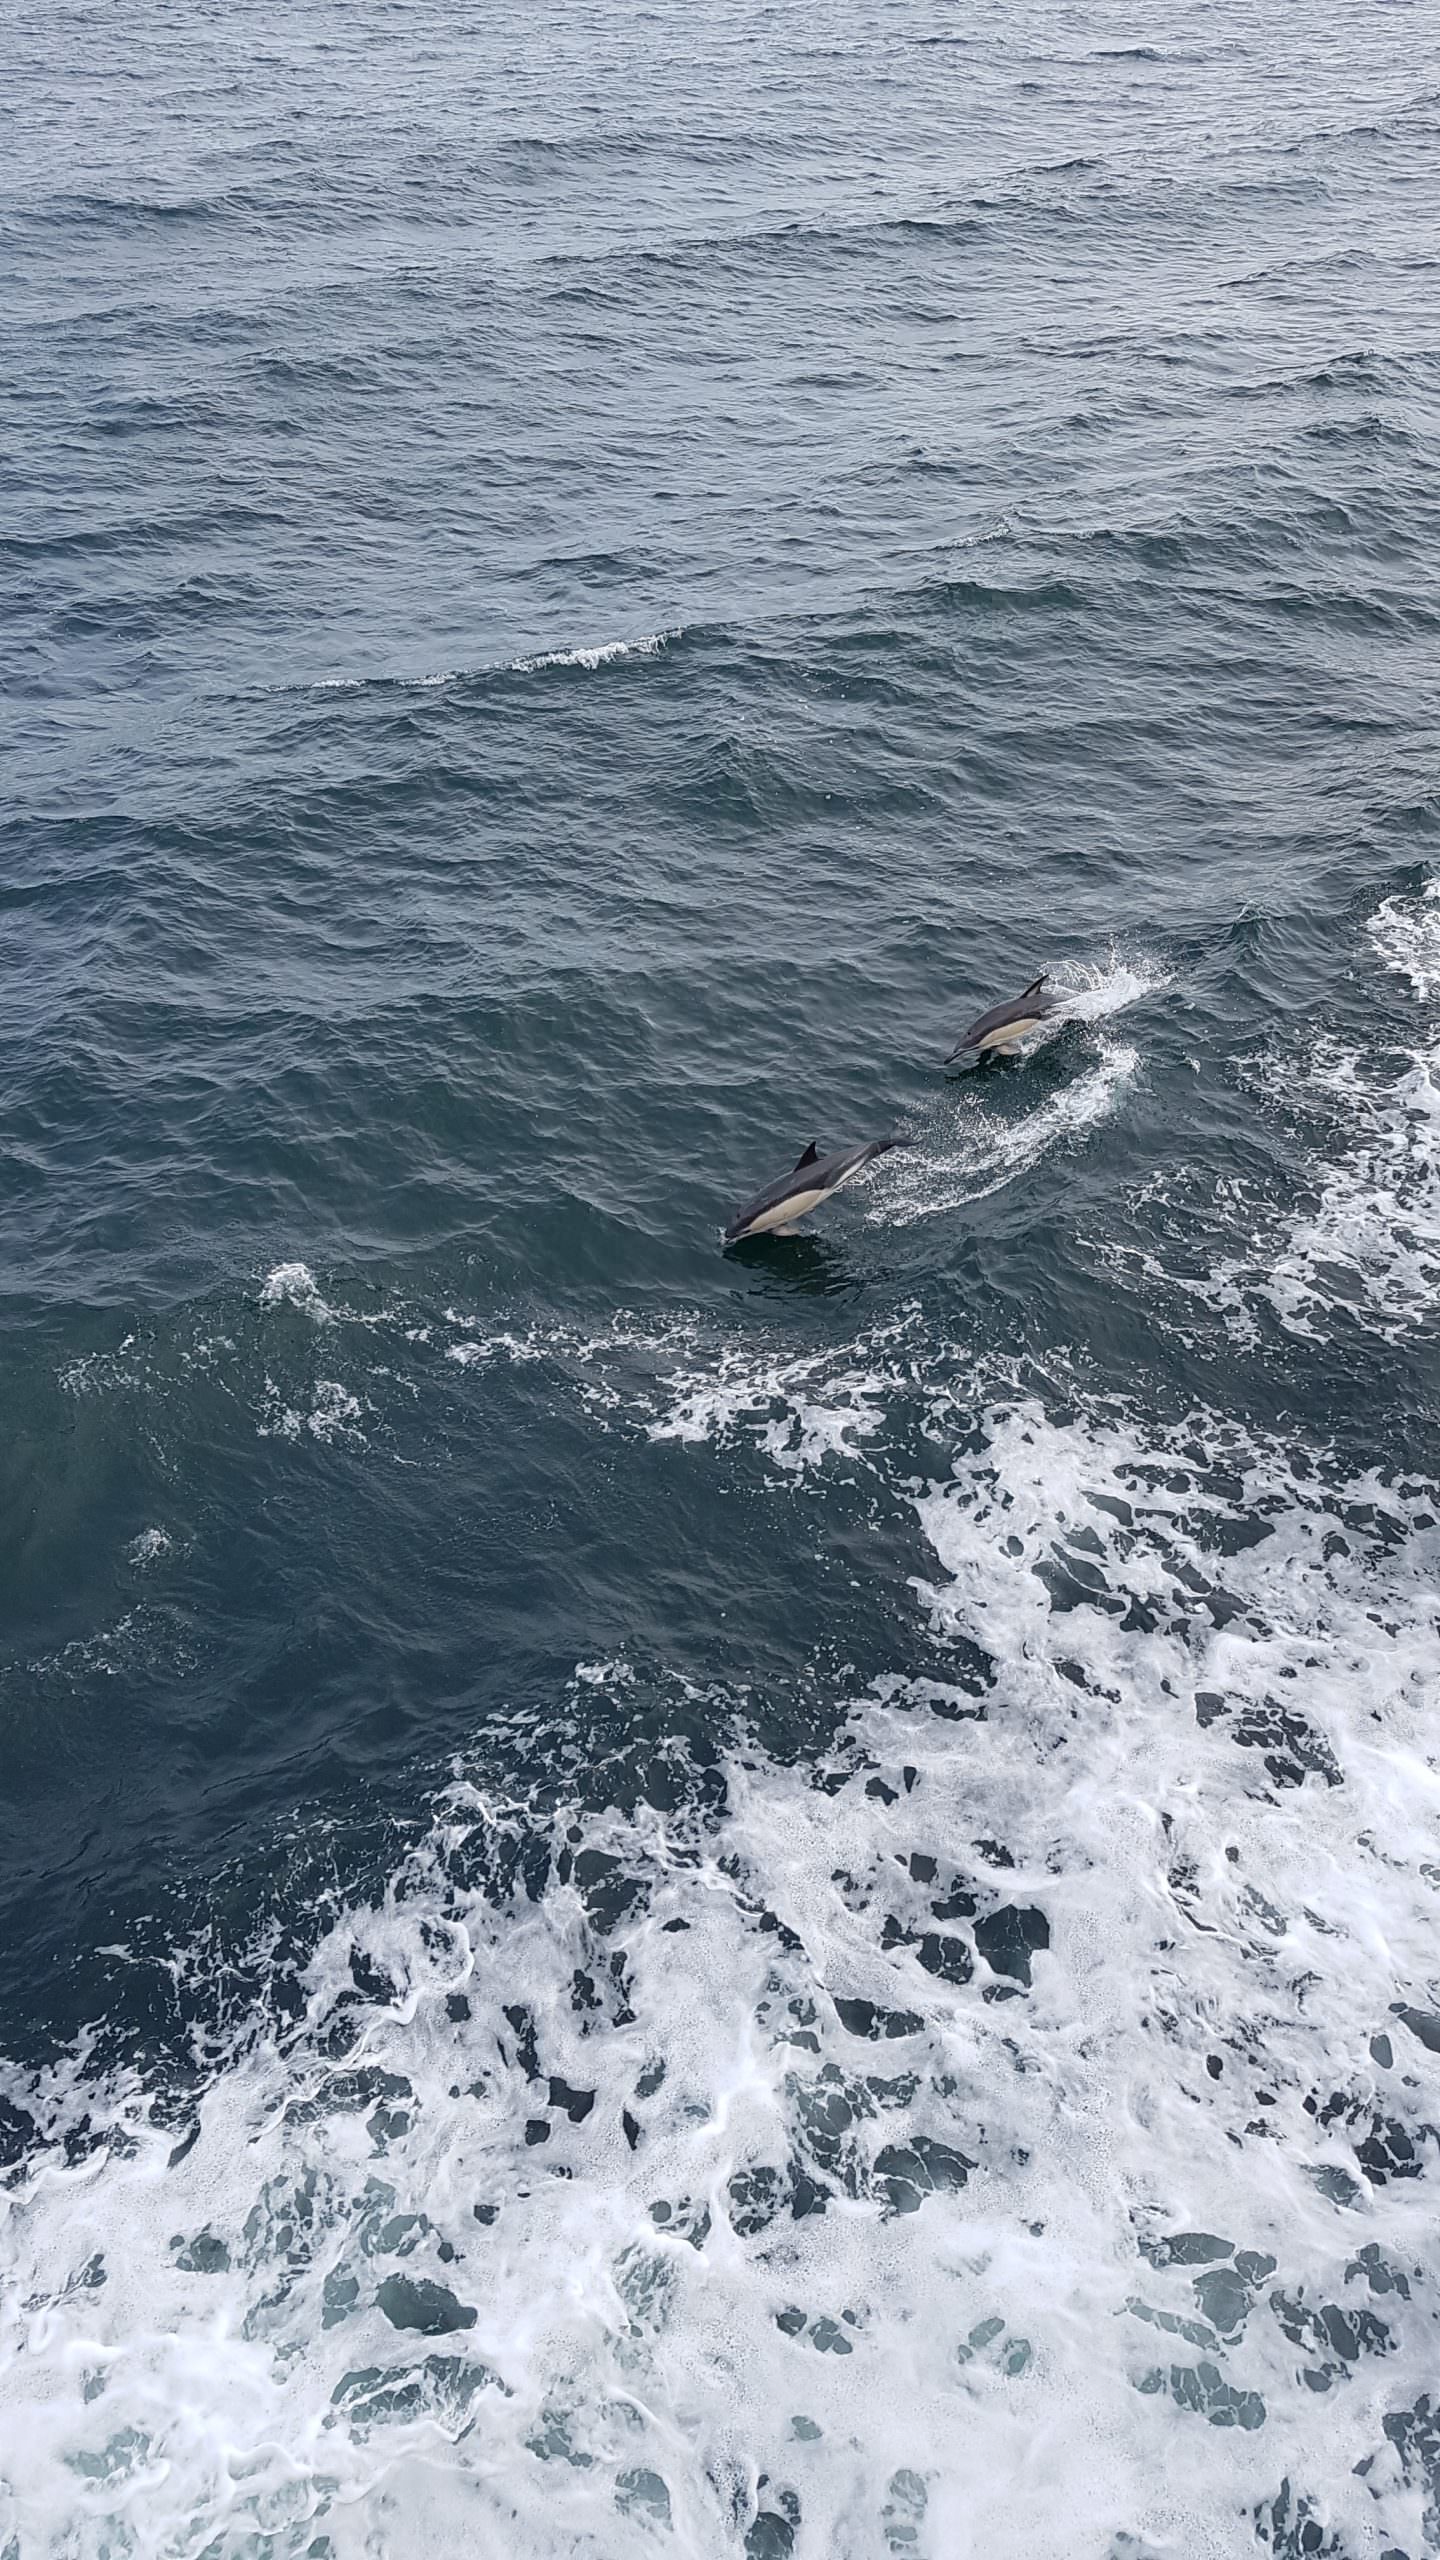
{"x":149,"y":1547}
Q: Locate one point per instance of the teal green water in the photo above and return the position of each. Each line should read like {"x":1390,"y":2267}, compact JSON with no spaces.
{"x":581,"y":594}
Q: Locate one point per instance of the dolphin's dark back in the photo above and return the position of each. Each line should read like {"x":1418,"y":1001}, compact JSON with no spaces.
{"x":813,"y":1173}
{"x":1031,"y":1005}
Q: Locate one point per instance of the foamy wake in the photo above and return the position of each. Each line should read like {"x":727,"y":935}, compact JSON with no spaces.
{"x":1007,"y":2138}
{"x":798,"y":1410}
{"x":1370,"y":1247}
{"x":966,"y":1149}
{"x":1364,"y":1248}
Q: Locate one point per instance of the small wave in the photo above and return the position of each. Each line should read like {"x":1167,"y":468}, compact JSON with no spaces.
{"x":602,"y":653}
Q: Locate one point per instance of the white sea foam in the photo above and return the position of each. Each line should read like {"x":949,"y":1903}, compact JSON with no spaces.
{"x":674,"y":1382}
{"x":1371,"y":1244}
{"x":1363,"y":1248}
{"x":520,"y":2245}
{"x":1406,"y":934}
{"x":293,"y":1284}
{"x":327,"y":1411}
{"x":106,"y":1372}
{"x":799,"y":1411}
{"x":1367,"y":1246}
{"x":149,"y":1547}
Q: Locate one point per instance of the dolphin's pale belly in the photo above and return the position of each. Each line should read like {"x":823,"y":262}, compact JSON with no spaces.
{"x":796,"y":1204}
{"x":1005,"y":1032}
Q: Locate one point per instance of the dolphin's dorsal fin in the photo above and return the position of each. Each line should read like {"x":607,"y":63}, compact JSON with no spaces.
{"x":1035,"y":984}
{"x":811,"y":1156}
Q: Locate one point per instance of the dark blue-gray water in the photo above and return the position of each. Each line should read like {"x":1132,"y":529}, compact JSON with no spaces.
{"x":650,"y":1900}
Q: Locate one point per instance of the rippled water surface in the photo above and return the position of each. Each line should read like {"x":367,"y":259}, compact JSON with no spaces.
{"x":650,"y":1900}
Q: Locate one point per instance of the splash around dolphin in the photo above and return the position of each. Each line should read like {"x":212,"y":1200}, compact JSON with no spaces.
{"x":813,"y":1178}
{"x":1006,"y":1025}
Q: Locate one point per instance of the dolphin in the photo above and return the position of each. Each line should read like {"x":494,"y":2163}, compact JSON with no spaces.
{"x":793,"y":1195}
{"x":1005,"y":1025}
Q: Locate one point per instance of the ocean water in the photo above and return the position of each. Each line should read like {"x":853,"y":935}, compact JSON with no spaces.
{"x":655,"y":1901}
